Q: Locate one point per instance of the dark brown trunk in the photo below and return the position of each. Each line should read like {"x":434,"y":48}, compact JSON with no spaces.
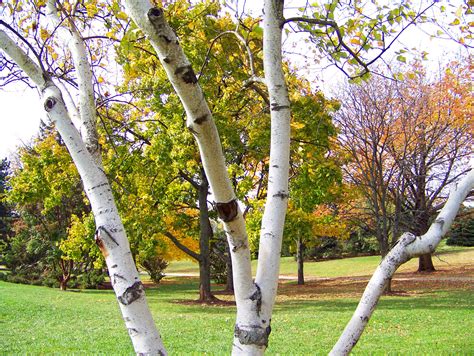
{"x":388,"y":288}
{"x":66,"y":268}
{"x":205,"y":294}
{"x":300,"y":260}
{"x":384,"y":251}
{"x":383,"y":246}
{"x":425,"y":263}
{"x":229,"y":287}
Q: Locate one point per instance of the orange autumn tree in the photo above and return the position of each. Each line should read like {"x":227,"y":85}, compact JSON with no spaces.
{"x":432,"y":144}
{"x":406,"y":142}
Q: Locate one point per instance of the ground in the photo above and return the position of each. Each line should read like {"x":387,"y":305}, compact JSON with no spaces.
{"x":430,"y":315}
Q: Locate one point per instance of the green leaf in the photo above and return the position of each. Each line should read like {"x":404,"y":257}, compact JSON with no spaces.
{"x":401,"y":58}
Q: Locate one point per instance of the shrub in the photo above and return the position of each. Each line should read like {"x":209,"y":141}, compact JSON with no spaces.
{"x":155,"y":266}
{"x":462,"y":233}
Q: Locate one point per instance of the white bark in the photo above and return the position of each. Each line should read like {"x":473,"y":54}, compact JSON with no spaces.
{"x":110,"y":237}
{"x":87,"y":109}
{"x":407,"y":247}
{"x":277,"y":197}
{"x":201,"y":124}
{"x":254,"y":300}
{"x":31,"y":69}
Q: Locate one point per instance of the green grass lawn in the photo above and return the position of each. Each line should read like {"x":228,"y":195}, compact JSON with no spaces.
{"x":44,"y":320}
{"x":40,"y":320}
{"x":357,"y":266}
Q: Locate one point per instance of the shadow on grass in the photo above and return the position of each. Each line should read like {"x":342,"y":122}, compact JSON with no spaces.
{"x":452,"y":300}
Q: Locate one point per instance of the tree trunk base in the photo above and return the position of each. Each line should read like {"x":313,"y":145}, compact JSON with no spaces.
{"x":425,"y":264}
{"x":388,"y":289}
{"x":208,"y":299}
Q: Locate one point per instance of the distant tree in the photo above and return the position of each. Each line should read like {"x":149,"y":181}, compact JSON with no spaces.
{"x":366,"y":124}
{"x":46,"y":193}
{"x":304,"y":230}
{"x":5,"y":210}
{"x":433,"y":142}
{"x":406,"y":142}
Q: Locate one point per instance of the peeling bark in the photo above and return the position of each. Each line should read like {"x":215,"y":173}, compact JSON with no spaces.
{"x":132,"y":293}
{"x":252,"y":335}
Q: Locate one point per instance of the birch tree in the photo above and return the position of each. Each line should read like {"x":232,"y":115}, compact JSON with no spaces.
{"x":407,"y":247}
{"x":348,"y":44}
{"x":110,"y":234}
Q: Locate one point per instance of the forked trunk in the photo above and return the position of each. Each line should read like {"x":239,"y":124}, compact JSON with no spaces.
{"x":66,"y":269}
{"x":63,"y":283}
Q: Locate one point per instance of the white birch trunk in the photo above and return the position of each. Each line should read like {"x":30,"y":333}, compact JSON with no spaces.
{"x":407,"y":247}
{"x":254,"y":301}
{"x":200,"y":122}
{"x":87,"y":109}
{"x":110,"y":236}
{"x":273,"y":220}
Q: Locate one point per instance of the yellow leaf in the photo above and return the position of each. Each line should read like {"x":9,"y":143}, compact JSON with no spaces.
{"x":355,"y":41}
{"x":44,"y":34}
{"x":91,"y":9}
{"x":122,"y":15}
{"x":100,"y":79}
{"x":110,"y":34}
{"x":297,"y":125}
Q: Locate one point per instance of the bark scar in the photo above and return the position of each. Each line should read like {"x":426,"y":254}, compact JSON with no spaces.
{"x":227,"y":211}
{"x":102,"y":228}
{"x":201,"y":119}
{"x":49,"y":104}
{"x":131,"y":294}
{"x":257,"y":298}
{"x":238,"y":246}
{"x":276,"y":107}
{"x":187,"y":74}
{"x":252,"y":334}
{"x":440,"y":221}
{"x":118,"y":276}
{"x":407,"y":238}
{"x":281,"y":194}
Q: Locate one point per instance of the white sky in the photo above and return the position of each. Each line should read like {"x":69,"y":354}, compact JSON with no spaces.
{"x":20,"y":117}
{"x":21,"y":109}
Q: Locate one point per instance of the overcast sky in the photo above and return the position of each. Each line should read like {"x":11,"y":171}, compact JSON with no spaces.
{"x":20,"y":117}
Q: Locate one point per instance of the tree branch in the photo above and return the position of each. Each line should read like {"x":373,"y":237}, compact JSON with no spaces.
{"x":409,"y":246}
{"x":183,"y":248}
